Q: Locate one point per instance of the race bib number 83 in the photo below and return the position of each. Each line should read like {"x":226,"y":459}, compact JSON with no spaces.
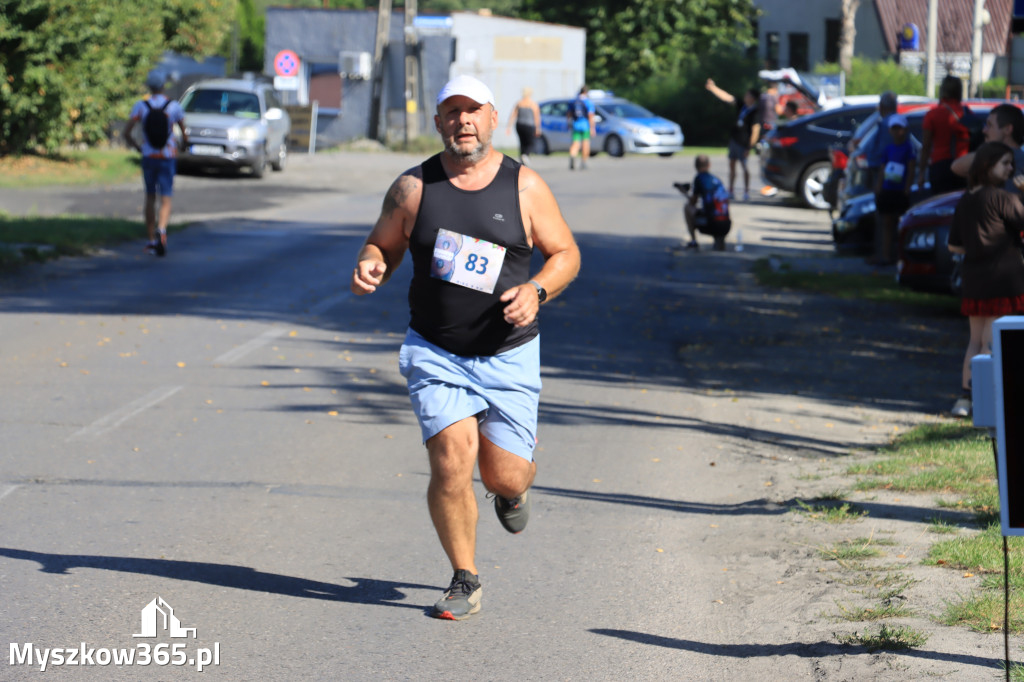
{"x":468,"y":262}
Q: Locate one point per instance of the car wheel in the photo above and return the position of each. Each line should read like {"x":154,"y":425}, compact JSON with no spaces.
{"x":541,"y":146}
{"x":281,"y":159}
{"x":812,"y":185}
{"x":613,"y":146}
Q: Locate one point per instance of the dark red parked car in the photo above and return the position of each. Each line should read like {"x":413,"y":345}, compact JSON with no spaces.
{"x":925,"y":263}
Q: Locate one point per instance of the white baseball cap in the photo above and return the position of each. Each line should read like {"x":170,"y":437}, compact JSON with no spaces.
{"x":467,"y":86}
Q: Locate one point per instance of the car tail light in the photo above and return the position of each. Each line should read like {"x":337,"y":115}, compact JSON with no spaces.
{"x":839,"y":159}
{"x":861,"y":160}
{"x":784,"y":141}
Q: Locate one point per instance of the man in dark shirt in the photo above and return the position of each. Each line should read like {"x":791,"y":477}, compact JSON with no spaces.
{"x":744,"y":134}
{"x":471,"y":355}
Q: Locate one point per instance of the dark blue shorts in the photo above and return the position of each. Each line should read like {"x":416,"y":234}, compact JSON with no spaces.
{"x":158,"y":175}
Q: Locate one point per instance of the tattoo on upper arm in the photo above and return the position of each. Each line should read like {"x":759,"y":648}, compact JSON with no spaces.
{"x":399,"y":192}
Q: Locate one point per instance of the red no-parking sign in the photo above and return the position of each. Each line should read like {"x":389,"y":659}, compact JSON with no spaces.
{"x":286,"y":63}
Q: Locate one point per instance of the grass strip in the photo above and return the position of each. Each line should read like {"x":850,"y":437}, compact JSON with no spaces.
{"x":38,"y":238}
{"x":877,"y":287}
{"x":951,"y":458}
{"x":955,"y":459}
{"x":887,"y":637}
{"x":90,"y":167}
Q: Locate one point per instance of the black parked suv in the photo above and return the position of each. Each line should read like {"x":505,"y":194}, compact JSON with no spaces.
{"x":795,"y":154}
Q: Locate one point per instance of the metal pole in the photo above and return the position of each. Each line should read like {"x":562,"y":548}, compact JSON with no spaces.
{"x":933,"y":30}
{"x":976,"y":54}
{"x":412,"y":80}
{"x":377,"y":84}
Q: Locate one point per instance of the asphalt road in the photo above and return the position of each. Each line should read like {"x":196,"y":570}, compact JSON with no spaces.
{"x":226,"y":429}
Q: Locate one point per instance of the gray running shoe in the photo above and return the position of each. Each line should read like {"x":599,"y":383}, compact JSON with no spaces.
{"x":513,"y":514}
{"x":462,"y":598}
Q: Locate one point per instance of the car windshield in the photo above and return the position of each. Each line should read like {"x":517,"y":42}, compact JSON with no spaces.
{"x":625,"y":110}
{"x":228,"y":102}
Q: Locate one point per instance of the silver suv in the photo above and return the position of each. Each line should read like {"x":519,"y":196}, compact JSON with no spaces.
{"x":235,"y":123}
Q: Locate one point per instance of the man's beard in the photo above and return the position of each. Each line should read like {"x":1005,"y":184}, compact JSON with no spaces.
{"x":477,"y":153}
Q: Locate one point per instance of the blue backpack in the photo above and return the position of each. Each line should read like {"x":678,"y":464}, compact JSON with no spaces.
{"x":579,"y":109}
{"x":716,"y":200}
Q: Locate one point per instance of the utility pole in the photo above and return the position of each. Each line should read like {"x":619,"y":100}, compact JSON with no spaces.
{"x":379,"y":49}
{"x":412,"y":75}
{"x":980,"y":19}
{"x":933,"y":30}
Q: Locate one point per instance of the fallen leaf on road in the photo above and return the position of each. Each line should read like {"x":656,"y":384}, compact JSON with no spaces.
{"x":264,"y":383}
{"x":181,"y":364}
{"x":968,"y":575}
{"x":333,"y":413}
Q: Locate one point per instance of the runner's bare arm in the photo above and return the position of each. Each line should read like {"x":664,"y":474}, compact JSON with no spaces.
{"x":389,"y":239}
{"x":546,"y":230}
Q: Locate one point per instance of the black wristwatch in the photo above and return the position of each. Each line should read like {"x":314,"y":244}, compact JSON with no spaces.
{"x":542,"y":295}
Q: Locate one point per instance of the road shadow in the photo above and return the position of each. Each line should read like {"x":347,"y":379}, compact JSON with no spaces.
{"x":766,"y":507}
{"x":640,"y":313}
{"x":367,"y":591}
{"x":801,"y":649}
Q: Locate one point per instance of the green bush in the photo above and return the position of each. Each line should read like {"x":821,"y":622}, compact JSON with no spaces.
{"x":994,"y":87}
{"x":682,"y":97}
{"x":870,"y":77}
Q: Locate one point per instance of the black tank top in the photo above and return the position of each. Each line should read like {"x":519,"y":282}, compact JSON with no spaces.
{"x":461,"y":320}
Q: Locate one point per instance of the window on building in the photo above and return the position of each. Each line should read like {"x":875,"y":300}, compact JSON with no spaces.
{"x":832,"y":27}
{"x":771,"y":50}
{"x":798,"y":56}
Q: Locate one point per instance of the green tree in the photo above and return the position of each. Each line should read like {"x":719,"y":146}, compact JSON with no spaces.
{"x":252,"y":28}
{"x":628,"y":43}
{"x":70,"y":67}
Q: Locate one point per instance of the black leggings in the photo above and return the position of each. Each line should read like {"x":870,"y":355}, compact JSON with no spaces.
{"x":527,"y":134}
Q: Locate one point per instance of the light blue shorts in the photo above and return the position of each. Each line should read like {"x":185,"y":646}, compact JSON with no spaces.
{"x":503,"y":391}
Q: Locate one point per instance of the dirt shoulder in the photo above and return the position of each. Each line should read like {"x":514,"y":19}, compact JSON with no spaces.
{"x":800,"y":386}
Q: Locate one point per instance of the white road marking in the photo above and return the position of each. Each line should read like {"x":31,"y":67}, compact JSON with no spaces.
{"x":329,"y":302}
{"x":236,"y":354}
{"x":118,"y":417}
{"x":10,"y":489}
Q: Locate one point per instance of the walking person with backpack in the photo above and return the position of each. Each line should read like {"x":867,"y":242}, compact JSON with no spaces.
{"x":581,"y":119}
{"x":158,"y":114}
